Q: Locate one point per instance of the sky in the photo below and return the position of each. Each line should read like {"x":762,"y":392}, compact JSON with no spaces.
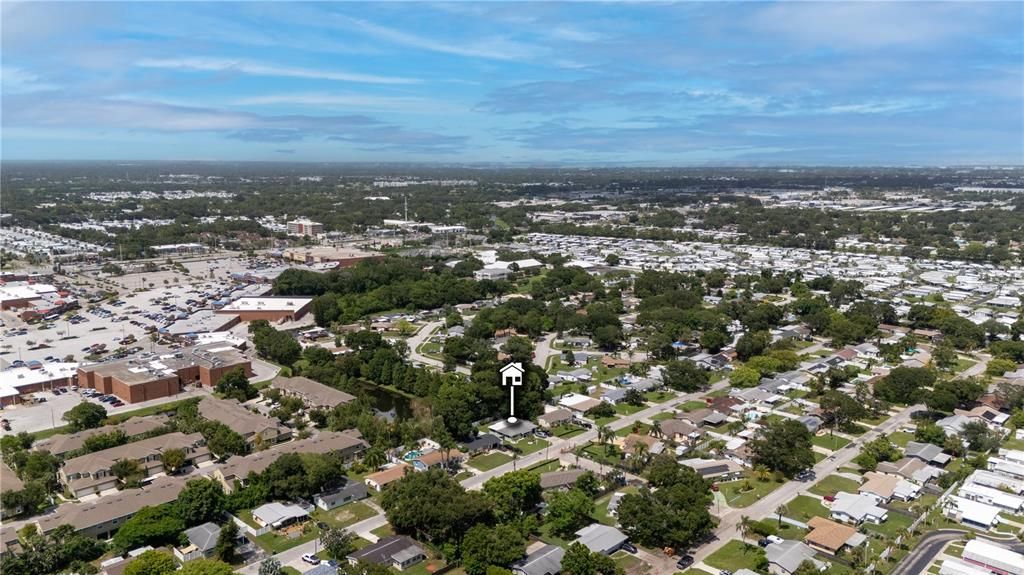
{"x":638,"y":83}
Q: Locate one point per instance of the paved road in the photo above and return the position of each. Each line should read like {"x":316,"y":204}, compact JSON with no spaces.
{"x":927,"y":549}
{"x":729,"y":520}
{"x":419,"y":338}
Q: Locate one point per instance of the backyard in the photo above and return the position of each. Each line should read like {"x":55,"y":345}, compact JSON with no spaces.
{"x":489,"y":461}
{"x":736,"y":555}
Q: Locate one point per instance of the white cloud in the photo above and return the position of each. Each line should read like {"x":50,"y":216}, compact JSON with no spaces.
{"x":495,"y":48}
{"x":203,"y":64}
{"x":346,"y":100}
{"x":20,"y":81}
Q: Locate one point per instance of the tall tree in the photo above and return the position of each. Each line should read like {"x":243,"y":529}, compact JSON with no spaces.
{"x":784,"y":446}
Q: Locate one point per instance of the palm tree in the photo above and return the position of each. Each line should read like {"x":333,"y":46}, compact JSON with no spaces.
{"x":656,"y":428}
{"x":605,"y":435}
{"x":780,"y":511}
{"x":762,"y":472}
{"x":745,"y":526}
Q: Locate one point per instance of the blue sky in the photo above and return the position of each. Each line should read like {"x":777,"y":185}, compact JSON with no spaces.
{"x":835,"y":83}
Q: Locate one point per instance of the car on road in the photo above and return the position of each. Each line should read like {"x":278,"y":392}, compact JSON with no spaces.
{"x":684,"y":561}
{"x":311,"y":559}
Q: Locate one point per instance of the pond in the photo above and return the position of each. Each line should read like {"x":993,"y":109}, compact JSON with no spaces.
{"x":387,"y":403}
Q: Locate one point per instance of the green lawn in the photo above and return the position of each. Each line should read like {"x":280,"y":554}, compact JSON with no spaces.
{"x":658,"y":396}
{"x":273,"y":543}
{"x":463,"y":475}
{"x":746,"y":492}
{"x":892,"y":526}
{"x":694,"y":572}
{"x":818,"y":457}
{"x":623,"y":408}
{"x":545,"y":466}
{"x":345,"y":515}
{"x":597,"y":453}
{"x":663,"y":416}
{"x":735,"y":555}
{"x":286,"y":570}
{"x":489,"y":461}
{"x":638,"y":428}
{"x":383,"y":531}
{"x":531,"y":444}
{"x":802,"y":508}
{"x":692,"y":405}
{"x":601,"y":505}
{"x":605,"y":420}
{"x":830,"y":442}
{"x":901,"y":438}
{"x":832,"y":484}
{"x":626,"y":561}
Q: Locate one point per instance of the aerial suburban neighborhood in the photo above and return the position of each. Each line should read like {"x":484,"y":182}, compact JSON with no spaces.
{"x":512,"y":288}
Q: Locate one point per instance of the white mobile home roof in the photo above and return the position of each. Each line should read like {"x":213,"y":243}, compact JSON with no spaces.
{"x":992,"y":555}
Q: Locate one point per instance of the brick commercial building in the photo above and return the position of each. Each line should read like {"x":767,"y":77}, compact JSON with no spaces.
{"x":18,"y":382}
{"x":134,"y":381}
{"x":272,"y":309}
{"x":341,"y":257}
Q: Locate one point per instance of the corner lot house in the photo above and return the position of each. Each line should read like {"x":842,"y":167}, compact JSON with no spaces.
{"x":601,"y":538}
{"x":857,"y":509}
{"x":397,"y":551}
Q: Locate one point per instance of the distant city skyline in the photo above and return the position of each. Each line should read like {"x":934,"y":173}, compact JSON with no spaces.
{"x":797,"y":83}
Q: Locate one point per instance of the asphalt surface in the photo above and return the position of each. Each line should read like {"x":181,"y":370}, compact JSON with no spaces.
{"x":928,"y":548}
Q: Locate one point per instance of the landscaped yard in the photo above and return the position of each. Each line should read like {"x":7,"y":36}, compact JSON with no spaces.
{"x":383,"y":531}
{"x":489,"y":461}
{"x":531,"y":444}
{"x":658,"y":396}
{"x":605,"y":420}
{"x":545,"y":466}
{"x":345,"y":515}
{"x":832,"y":484}
{"x":901,"y":438}
{"x":747,"y":491}
{"x":802,"y":508}
{"x":830,"y":442}
{"x":638,"y":428}
{"x":891,"y":527}
{"x":598,"y":453}
{"x":692,"y":405}
{"x":274,"y":543}
{"x":736,"y":555}
{"x":623,"y":408}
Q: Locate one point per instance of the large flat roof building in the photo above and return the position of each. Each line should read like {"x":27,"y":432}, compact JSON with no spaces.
{"x":270,"y":308}
{"x":136,"y":380}
{"x":305,"y":228}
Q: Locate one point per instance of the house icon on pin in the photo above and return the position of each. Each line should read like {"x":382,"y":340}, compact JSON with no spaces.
{"x":512,"y":374}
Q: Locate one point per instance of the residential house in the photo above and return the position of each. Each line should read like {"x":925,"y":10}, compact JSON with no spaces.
{"x":927,"y":452}
{"x":991,"y":496}
{"x":544,"y":561}
{"x":992,"y":418}
{"x":92,"y":473}
{"x":351,"y":491}
{"x":560,"y":479}
{"x":1006,"y":467}
{"x":313,"y":394}
{"x":509,"y":430}
{"x":997,"y":481}
{"x":993,"y":557}
{"x":397,"y":551}
{"x":954,"y":424}
{"x":485,"y":442}
{"x":884,"y":488}
{"x":719,"y":469}
{"x":381,"y":479}
{"x":786,"y":557}
{"x":257,"y":430}
{"x":601,"y":538}
{"x":554,"y":418}
{"x":910,"y":468}
{"x":202,"y":542}
{"x":857,"y":509}
{"x":278,"y":515}
{"x":679,"y":431}
{"x":830,"y":537}
{"x":9,"y":481}
{"x":437,"y":458}
{"x":971,"y":513}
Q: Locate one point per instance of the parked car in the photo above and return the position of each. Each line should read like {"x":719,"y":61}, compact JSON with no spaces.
{"x":763,"y":542}
{"x":684,"y":561}
{"x":627,"y":546}
{"x":311,"y":559}
{"x":830,"y":498}
{"x":774,"y":539}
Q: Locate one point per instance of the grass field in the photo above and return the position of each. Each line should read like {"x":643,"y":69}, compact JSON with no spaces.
{"x":901,"y":438}
{"x":738,"y":495}
{"x":892,"y":526}
{"x":624,"y":408}
{"x":692,"y":405}
{"x":735,"y":555}
{"x":830,"y":442}
{"x":658,"y":396}
{"x":489,"y":461}
{"x":345,"y":515}
{"x":833,"y":483}
{"x":545,"y":466}
{"x":531,"y":444}
{"x":565,"y":431}
{"x":802,"y":508}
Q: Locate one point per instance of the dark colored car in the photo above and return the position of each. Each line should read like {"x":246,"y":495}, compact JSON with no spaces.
{"x":629,"y":547}
{"x":684,"y":561}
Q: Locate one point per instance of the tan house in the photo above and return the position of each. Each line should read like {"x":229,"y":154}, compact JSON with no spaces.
{"x":830,"y":537}
{"x":312,"y":393}
{"x":381,"y":479}
{"x":104,"y":516}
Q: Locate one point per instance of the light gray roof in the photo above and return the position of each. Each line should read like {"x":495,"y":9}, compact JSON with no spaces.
{"x":545,"y":561}
{"x":789,"y":554}
{"x":385,"y":550}
{"x":600,"y":538}
{"x":560,"y":478}
{"x":203,"y":536}
{"x":922,"y":451}
{"x":356,"y":489}
{"x":275,"y":512}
